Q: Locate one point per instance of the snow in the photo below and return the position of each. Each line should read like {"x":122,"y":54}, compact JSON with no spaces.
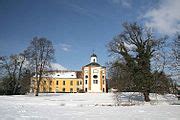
{"x":62,"y":74}
{"x":84,"y":106}
{"x":136,"y":98}
{"x":67,"y":74}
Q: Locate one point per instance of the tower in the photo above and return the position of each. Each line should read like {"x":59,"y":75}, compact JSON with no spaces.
{"x":93,"y":58}
{"x":94,"y":76}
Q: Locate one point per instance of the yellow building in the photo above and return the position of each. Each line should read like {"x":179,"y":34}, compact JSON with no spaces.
{"x":92,"y":78}
{"x":60,"y":81}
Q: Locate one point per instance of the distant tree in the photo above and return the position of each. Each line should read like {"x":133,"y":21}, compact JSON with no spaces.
{"x":39,"y":54}
{"x":25,"y":82}
{"x":162,"y":83}
{"x":136,"y":45}
{"x":12,"y":68}
{"x":119,"y":76}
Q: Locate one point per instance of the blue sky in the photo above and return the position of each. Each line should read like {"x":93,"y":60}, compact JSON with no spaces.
{"x":77,"y":27}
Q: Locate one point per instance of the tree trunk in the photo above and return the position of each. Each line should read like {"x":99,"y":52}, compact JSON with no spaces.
{"x":146,"y":96}
{"x":37,"y":90}
{"x":15,"y":88}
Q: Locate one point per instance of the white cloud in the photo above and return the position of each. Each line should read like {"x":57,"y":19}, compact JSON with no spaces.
{"x":165,"y":18}
{"x":129,"y":46}
{"x":56,"y":66}
{"x":65,"y":47}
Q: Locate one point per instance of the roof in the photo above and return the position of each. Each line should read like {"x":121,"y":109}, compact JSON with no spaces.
{"x":63,"y":74}
{"x":93,"y":55}
{"x":93,"y":64}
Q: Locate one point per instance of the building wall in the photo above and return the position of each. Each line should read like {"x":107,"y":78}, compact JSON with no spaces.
{"x":56,"y":85}
{"x":94,"y":84}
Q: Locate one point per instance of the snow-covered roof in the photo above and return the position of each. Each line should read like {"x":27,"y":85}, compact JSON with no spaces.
{"x":63,"y":74}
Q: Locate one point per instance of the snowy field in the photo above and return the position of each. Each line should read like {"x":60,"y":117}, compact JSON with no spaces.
{"x":88,"y":106}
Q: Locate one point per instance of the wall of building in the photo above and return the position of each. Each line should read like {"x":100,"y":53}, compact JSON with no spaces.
{"x":94,"y":84}
{"x":56,"y":85}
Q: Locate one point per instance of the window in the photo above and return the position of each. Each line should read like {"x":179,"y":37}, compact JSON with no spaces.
{"x":50,"y":83}
{"x":93,"y":60}
{"x":57,"y":82}
{"x":64,"y":82}
{"x":58,"y":75}
{"x":77,"y":82}
{"x":44,"y":82}
{"x":63,"y":89}
{"x":95,"y":76}
{"x":85,"y":89}
{"x":103,"y":89}
{"x":103,"y":76}
{"x":71,"y":83}
{"x":80,"y":82}
{"x":86,"y":76}
{"x":77,"y":89}
{"x":85,"y":81}
{"x":71,"y":89}
{"x":95,"y":81}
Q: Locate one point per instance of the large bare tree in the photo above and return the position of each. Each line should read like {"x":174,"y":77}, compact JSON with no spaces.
{"x":40,"y":54}
{"x":136,"y":45}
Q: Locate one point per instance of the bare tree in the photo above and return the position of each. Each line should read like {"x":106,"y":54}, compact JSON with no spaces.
{"x":40,"y":54}
{"x":13,"y":67}
{"x":136,"y":45}
{"x":120,"y":78}
{"x":176,"y":56}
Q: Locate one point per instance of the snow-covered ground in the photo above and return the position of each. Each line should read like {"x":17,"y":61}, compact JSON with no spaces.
{"x":85,"y":106}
